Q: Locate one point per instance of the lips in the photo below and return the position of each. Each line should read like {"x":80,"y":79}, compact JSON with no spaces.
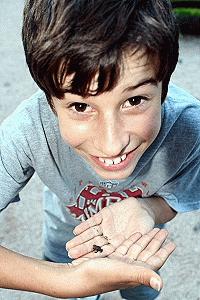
{"x":114,"y":164}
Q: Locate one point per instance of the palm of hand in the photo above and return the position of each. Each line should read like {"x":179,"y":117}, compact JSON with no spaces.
{"x":109,"y":228}
{"x":121,"y":220}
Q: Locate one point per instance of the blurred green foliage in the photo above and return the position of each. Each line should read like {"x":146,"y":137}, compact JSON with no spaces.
{"x":188,"y":15}
{"x":187,"y":11}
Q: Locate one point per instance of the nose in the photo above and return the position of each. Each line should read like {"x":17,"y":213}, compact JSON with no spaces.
{"x":111,"y":137}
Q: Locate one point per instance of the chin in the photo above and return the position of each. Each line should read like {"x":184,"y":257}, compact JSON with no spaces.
{"x":114,"y":175}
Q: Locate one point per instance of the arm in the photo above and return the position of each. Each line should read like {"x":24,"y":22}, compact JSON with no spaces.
{"x":92,"y":276}
{"x":20,"y":272}
{"x":118,"y":222}
{"x":159,"y":209}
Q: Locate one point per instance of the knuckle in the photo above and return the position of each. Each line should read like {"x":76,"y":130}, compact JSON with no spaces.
{"x":95,"y":231}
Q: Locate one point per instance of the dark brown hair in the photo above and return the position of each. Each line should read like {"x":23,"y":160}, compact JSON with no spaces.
{"x":83,"y":38}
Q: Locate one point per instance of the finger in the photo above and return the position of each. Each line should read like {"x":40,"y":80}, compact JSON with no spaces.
{"x":159,"y":258}
{"x":124,"y":247}
{"x":154,"y":245}
{"x":139,"y":246}
{"x":84,"y":237}
{"x":142,"y":275}
{"x":87,"y":247}
{"x":93,"y":221}
{"x":107,"y":251}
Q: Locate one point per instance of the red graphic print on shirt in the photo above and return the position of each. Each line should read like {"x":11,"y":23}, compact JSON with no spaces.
{"x":92,"y":199}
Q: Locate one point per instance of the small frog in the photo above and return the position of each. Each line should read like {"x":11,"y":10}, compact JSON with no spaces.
{"x":97,"y":249}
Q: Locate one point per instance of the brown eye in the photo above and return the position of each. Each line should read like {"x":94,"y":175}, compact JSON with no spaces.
{"x":135,"y":101}
{"x":79,"y":107}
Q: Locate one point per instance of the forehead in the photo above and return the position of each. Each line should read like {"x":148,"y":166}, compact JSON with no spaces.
{"x":134,"y":67}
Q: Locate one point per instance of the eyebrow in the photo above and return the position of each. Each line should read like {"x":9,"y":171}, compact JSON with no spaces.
{"x":146,"y":81}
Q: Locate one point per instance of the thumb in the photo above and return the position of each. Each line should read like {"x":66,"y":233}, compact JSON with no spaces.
{"x":147,"y":277}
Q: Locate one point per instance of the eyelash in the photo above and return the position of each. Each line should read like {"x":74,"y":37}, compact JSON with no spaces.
{"x":83,"y":106}
{"x":73,"y":105}
{"x":142,"y":100}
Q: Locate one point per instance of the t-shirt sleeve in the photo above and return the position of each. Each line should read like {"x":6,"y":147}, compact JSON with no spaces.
{"x":182,"y":192}
{"x":15,"y":163}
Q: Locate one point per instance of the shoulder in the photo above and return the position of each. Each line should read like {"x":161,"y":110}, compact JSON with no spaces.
{"x":28,"y":116}
{"x":182,"y":111}
{"x":30,"y":127}
{"x":179,"y":101}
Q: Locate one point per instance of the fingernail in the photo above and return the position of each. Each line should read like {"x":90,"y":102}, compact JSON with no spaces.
{"x":155,"y":284}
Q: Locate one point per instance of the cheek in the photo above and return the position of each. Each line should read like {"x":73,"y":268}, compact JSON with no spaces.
{"x":153,"y":124}
{"x":149,"y":126}
{"x":73,"y":132}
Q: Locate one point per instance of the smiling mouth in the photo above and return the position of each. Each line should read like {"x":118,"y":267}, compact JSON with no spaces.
{"x":118,"y":163}
{"x":111,"y":162}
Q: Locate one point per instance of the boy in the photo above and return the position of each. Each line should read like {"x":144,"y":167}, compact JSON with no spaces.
{"x":112,"y":133}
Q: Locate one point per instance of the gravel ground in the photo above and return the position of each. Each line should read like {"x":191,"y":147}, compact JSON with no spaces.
{"x":20,"y":224}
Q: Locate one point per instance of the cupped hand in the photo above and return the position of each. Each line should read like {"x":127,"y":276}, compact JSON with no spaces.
{"x":110,"y":227}
{"x":131,"y":264}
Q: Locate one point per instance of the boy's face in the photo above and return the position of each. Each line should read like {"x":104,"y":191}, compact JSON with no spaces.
{"x":113,"y":130}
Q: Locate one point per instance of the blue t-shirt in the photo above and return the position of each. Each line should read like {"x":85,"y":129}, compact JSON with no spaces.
{"x":30,"y":142}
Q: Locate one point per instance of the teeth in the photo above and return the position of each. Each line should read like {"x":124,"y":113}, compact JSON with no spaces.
{"x":110,"y":162}
{"x":123,"y":157}
{"x":117,"y":160}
